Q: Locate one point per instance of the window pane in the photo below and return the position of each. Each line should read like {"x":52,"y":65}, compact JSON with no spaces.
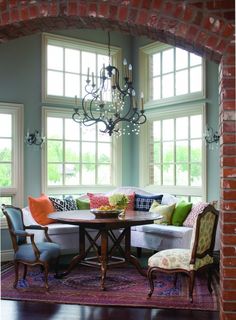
{"x":195,"y":79}
{"x":55,"y":83}
{"x":196,"y":126}
{"x":157,"y":175}
{"x":196,"y":150}
{"x":195,"y":60}
{"x":104,"y":152}
{"x":88,"y":174}
{"x":5,"y":200}
{"x":72,"y":60}
{"x":157,"y":157}
{"x":196,"y":175}
{"x":72,"y":174}
{"x":181,"y":151}
{"x":5,"y":175}
{"x":168,"y":86}
{"x":168,"y":174}
{"x":72,"y":151}
{"x":168,"y":151}
{"x":168,"y":60}
{"x":181,"y":128}
{"x":72,"y":85}
{"x":55,"y":151}
{"x":195,"y":199}
{"x":88,"y":61}
{"x":157,"y":130}
{"x":54,"y":174}
{"x":156,"y":64}
{"x":104,"y":174}
{"x":182,"y":174}
{"x":55,"y":57}
{"x":5,"y":125}
{"x":88,"y":152}
{"x":181,"y":61}
{"x":89,"y":133}
{"x":156,"y":90}
{"x":168,"y":129}
{"x":54,"y":128}
{"x":72,"y":130}
{"x":181,"y":82}
{"x":5,"y":149}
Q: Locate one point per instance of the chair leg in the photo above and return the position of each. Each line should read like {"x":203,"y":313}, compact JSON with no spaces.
{"x":25,"y":271}
{"x":209,"y":279}
{"x":191,"y":284}
{"x":151,"y":282}
{"x":16,"y":263}
{"x":139,"y":252}
{"x":46,"y":275}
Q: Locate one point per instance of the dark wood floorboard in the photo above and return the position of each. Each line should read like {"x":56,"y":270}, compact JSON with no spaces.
{"x":15,"y":310}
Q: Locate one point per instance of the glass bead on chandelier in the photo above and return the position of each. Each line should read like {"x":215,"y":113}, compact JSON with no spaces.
{"x":109,"y":103}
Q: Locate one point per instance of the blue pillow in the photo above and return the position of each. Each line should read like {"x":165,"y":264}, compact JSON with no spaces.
{"x":143,"y":203}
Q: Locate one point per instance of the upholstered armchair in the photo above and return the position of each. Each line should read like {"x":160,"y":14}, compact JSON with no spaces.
{"x":189,"y":261}
{"x":29,"y":254}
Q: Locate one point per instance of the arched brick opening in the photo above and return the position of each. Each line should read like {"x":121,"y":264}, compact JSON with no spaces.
{"x":202,"y":27}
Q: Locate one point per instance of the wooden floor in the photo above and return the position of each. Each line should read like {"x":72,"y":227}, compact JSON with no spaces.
{"x":13,"y":310}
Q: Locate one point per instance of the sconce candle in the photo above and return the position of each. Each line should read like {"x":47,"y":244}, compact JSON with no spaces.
{"x":34,"y":138}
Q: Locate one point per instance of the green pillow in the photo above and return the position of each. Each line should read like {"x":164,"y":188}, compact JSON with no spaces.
{"x":164,"y":210}
{"x":180,"y":213}
{"x":83,"y":204}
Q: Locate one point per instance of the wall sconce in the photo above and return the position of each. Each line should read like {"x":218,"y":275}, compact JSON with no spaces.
{"x":34,"y":138}
{"x":211,"y":136}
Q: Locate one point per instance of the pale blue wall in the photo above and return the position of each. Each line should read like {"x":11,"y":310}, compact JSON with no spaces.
{"x":20,"y":82}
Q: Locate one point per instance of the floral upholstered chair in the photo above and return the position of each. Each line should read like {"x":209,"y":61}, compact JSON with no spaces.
{"x":29,"y":254}
{"x":189,"y":261}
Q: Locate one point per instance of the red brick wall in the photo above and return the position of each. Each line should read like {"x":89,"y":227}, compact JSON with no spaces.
{"x":204,"y":27}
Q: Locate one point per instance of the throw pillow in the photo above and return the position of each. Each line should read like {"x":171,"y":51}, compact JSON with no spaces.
{"x":193,"y":214}
{"x":100,"y":200}
{"x":143,"y":203}
{"x":40,"y":208}
{"x":180,"y":213}
{"x":83,"y":204}
{"x":63,"y":205}
{"x":164,"y":210}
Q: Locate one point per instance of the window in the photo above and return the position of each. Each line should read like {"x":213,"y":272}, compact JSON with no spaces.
{"x":11,"y":154}
{"x":176,"y":154}
{"x":68,"y":63}
{"x":77,"y":158}
{"x":173,"y":74}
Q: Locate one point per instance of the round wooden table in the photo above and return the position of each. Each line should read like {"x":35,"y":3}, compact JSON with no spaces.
{"x":105,"y":226}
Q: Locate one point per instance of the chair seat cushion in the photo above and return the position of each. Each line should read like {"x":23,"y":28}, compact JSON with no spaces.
{"x":48,"y":251}
{"x":163,"y":230}
{"x":177,"y":259}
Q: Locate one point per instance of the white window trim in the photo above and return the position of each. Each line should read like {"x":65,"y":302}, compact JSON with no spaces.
{"x":47,"y":38}
{"x":144,"y":54}
{"x":17,"y":190}
{"x":159,"y":113}
{"x":117,"y":163}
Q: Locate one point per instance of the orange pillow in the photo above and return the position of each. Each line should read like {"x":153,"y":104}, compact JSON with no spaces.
{"x":40,"y":208}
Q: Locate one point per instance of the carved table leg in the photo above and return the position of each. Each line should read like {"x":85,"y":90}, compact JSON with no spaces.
{"x":132,"y":259}
{"x":104,"y":257}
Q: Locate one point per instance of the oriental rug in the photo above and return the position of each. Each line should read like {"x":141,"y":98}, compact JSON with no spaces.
{"x":124,"y":287}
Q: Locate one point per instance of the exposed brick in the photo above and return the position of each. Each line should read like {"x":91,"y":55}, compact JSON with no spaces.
{"x":228,"y":217}
{"x":229,"y":284}
{"x":229,"y":251}
{"x":229,"y":184}
{"x":229,"y":195}
{"x":229,"y":295}
{"x":229,"y":272}
{"x":229,"y":126}
{"x":123,"y":14}
{"x":229,"y":150}
{"x":231,"y":206}
{"x":231,"y":306}
{"x":228,"y":161}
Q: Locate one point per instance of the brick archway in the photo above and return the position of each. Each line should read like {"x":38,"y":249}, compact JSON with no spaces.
{"x":202,"y":27}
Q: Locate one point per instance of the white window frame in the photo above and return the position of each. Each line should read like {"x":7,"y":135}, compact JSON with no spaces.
{"x":144,"y":151}
{"x":17,"y":189}
{"x":78,"y":189}
{"x":72,"y":43}
{"x":144,"y":55}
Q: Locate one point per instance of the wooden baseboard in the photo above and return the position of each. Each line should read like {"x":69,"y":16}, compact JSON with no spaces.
{"x":7,"y":255}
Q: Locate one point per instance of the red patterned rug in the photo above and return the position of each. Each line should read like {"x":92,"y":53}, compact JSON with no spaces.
{"x":124,"y":287}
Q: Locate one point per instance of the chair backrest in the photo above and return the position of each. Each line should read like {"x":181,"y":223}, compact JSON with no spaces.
{"x":204,"y":233}
{"x":15,"y":223}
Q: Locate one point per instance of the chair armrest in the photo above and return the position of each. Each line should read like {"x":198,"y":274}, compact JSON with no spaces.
{"x":38,"y":227}
{"x":22,"y":233}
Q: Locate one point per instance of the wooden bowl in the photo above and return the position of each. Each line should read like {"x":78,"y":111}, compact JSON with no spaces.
{"x":102,"y":214}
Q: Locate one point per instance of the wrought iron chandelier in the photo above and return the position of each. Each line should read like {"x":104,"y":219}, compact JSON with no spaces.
{"x":121,"y":107}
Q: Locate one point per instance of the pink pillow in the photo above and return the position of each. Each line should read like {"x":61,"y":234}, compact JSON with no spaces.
{"x":192,"y":216}
{"x":97,"y":200}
